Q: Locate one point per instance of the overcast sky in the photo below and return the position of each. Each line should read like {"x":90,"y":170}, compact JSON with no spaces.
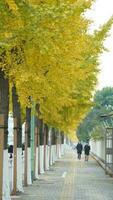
{"x":102,"y":10}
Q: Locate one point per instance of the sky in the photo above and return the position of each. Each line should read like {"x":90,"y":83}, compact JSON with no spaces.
{"x":101,"y":11}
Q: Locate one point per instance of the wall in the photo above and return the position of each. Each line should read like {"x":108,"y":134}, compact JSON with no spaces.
{"x":98,"y":148}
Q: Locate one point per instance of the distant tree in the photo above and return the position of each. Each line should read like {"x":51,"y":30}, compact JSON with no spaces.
{"x":91,"y":126}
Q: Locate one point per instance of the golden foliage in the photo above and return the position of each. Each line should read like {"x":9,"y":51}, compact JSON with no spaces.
{"x":47,"y":52}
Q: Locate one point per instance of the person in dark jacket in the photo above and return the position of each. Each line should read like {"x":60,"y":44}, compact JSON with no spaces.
{"x":86,"y":151}
{"x":79,"y":148}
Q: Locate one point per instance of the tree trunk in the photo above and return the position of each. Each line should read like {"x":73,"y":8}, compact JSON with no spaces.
{"x":26,"y":155}
{"x":15,"y":158}
{"x":57,"y":142}
{"x":4,"y":104}
{"x":28,"y":121}
{"x":53,"y":137}
{"x":27,"y":169}
{"x":41,"y":148}
{"x":38,"y":145}
{"x":45,"y":144}
{"x":1,"y":153}
{"x":17,"y":115}
{"x":47,"y":135}
{"x":27,"y":143}
{"x":35,"y":149}
{"x":4,"y":110}
{"x":41,"y":131}
{"x":32,"y":141}
{"x":62,"y":138}
{"x":17,"y":141}
{"x":40,"y":126}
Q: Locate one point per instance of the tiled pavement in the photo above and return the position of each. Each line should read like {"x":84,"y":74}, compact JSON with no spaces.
{"x":70,"y":179}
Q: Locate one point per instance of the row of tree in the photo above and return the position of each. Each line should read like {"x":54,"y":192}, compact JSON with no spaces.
{"x":49,"y":58}
{"x":48,"y":65}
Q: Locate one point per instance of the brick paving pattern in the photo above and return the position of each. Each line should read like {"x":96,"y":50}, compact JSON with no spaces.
{"x":71,"y":179}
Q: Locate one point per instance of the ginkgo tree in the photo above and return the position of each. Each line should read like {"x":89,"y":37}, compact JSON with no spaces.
{"x":50,"y":56}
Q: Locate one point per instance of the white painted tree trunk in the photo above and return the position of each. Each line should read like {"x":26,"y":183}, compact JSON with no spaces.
{"x":6,"y":176}
{"x":53,"y":153}
{"x":11,"y":174}
{"x":41,"y":159}
{"x":58,"y":150}
{"x":19,"y":170}
{"x":47,"y":157}
{"x":36,"y":172}
{"x":62,"y":149}
{"x":29,"y":181}
{"x":50,"y":156}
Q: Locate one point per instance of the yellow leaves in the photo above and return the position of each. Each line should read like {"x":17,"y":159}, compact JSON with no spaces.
{"x":10,"y":20}
{"x":7,"y":34}
{"x":12,"y":5}
{"x":72,"y":136}
{"x":16,"y":22}
{"x":53,"y":58}
{"x":35,"y":2}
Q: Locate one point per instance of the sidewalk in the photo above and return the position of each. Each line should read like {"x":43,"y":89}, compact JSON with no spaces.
{"x":71,"y":179}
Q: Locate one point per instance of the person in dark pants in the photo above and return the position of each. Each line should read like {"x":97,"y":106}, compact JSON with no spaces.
{"x":79,"y":148}
{"x":86,"y":151}
{"x":10,"y":151}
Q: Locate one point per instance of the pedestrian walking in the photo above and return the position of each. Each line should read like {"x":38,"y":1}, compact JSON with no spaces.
{"x":79,"y":148}
{"x":87,"y":151}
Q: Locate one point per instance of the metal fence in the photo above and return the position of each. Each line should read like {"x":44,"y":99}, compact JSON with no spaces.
{"x":109,"y":149}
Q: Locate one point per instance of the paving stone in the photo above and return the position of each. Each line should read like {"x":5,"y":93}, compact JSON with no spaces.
{"x":71,"y":179}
